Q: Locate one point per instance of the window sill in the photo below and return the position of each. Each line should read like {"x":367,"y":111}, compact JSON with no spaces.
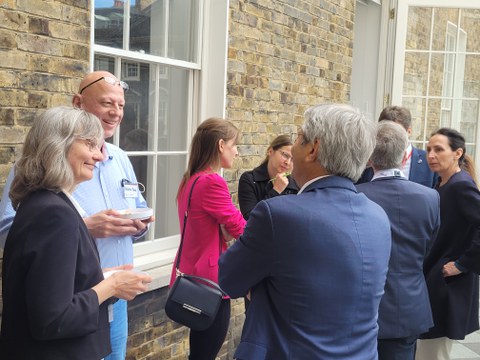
{"x":156,"y":258}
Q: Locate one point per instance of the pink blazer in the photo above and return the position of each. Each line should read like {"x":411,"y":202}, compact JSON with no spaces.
{"x":210,"y":206}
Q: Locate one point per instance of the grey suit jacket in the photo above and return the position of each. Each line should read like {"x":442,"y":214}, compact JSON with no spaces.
{"x":414,"y":213}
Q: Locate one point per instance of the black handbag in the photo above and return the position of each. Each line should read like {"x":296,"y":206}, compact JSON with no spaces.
{"x":192,"y":301}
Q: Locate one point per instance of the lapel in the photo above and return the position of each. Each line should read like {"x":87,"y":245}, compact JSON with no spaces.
{"x":417,"y":159}
{"x":90,"y":237}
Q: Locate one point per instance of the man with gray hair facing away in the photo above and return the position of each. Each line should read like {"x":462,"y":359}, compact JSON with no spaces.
{"x":414,"y":213}
{"x":414,"y":162}
{"x":315,"y":263}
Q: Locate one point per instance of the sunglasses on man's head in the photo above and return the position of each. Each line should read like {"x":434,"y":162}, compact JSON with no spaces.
{"x":109,"y":80}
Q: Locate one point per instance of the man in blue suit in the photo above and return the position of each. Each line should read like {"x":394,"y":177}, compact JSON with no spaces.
{"x":315,"y":263}
{"x":414,"y":164}
{"x":414,"y":213}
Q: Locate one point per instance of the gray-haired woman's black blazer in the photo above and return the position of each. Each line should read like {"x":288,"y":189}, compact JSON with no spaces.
{"x":50,"y":265}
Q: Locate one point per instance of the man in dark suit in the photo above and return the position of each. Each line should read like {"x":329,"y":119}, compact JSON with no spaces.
{"x":414,"y":164}
{"x":315,"y":263}
{"x":414,"y":213}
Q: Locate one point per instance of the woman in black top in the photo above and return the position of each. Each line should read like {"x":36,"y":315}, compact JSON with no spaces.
{"x":270,"y":179}
{"x":453,"y":263}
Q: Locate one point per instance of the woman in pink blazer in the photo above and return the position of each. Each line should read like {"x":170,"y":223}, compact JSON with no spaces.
{"x":212,"y":221}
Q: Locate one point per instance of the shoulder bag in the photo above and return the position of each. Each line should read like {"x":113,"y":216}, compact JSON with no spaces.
{"x":192,"y":301}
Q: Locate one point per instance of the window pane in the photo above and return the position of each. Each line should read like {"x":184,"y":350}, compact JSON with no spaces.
{"x":445,"y":24}
{"x":137,"y":118}
{"x":173,"y":108}
{"x":104,"y":63}
{"x":441,"y":74}
{"x":170,"y":172}
{"x":183,"y":30}
{"x":471,"y":84}
{"x":433,"y":116}
{"x":109,"y":23}
{"x":417,"y":110}
{"x":470,"y":150}
{"x":141,"y":165}
{"x":470,"y":19}
{"x":415,"y":73}
{"x":418,"y":28}
{"x":148,"y":27}
{"x":469,"y":119}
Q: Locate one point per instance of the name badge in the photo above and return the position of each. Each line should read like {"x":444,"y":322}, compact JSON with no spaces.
{"x":130,"y":190}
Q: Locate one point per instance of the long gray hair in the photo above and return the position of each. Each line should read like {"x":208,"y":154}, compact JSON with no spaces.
{"x":346,"y":138}
{"x":44,"y":161}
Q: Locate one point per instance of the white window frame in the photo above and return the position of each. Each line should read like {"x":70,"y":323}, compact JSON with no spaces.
{"x":156,"y":256}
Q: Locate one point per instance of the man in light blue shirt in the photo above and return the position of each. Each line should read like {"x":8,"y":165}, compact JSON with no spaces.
{"x":113,"y":187}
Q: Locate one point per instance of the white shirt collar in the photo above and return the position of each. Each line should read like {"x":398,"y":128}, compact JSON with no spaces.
{"x":75,"y":203}
{"x":387,"y":173}
{"x":311,"y":181}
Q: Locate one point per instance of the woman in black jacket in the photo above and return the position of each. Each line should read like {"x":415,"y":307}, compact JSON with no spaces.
{"x":452,"y":266}
{"x":55,"y":294}
{"x":270,"y":179}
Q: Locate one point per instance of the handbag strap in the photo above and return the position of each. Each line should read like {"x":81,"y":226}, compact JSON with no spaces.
{"x":204,"y":280}
{"x":185,"y":216}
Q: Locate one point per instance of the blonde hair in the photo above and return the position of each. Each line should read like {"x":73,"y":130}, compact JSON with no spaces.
{"x":44,"y":163}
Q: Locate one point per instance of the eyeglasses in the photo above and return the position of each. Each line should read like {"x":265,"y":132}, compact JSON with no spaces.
{"x":91,"y":144}
{"x":285,"y":156}
{"x":109,"y":80}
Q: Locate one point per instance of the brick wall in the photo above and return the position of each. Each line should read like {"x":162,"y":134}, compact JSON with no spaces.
{"x":283,"y":57}
{"x":152,"y":336}
{"x":44,"y":51}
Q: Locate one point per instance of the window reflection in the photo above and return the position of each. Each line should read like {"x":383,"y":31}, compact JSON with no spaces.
{"x":164,"y":28}
{"x":170,"y":172}
{"x":135,"y":127}
{"x":109,"y":16}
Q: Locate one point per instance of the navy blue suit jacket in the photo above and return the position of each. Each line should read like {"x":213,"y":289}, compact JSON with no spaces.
{"x":419,"y":170}
{"x":414,"y":213}
{"x":316,"y":265}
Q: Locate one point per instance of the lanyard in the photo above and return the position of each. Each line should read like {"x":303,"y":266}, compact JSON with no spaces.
{"x":406,"y":158}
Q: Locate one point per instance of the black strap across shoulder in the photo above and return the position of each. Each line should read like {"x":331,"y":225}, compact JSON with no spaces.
{"x":177,"y":264}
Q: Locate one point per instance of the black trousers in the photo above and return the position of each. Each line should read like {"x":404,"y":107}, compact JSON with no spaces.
{"x":205,"y":345}
{"x":397,"y":349}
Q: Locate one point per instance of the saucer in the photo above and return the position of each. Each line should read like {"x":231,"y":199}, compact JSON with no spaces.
{"x":138,"y":213}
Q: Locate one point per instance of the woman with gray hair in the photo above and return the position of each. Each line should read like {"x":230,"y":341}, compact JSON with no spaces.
{"x":55,"y":297}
